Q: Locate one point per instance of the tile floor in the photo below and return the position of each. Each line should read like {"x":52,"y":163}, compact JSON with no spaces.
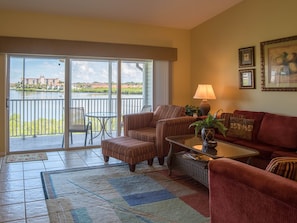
{"x":21,"y":193}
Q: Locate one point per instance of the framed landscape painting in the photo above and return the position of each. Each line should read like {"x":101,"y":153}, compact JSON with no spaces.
{"x":279,"y":64}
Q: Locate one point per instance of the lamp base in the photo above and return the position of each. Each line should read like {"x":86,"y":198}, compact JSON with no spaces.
{"x":204,"y":107}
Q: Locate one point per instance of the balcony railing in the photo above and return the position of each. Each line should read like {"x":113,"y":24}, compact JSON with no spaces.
{"x":32,"y":117}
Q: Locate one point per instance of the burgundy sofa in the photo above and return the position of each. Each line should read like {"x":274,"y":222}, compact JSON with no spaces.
{"x":272,"y":135}
{"x":242,"y":193}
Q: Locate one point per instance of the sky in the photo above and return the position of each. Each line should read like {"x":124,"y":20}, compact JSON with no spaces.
{"x":81,"y":70}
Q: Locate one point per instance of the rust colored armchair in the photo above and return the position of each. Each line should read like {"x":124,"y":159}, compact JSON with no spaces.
{"x":166,"y":120}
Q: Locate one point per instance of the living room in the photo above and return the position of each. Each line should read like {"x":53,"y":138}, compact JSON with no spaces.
{"x":207,"y":53}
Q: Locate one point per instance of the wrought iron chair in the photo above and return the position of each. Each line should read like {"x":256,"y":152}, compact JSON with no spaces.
{"x":77,"y":123}
{"x":146,"y":108}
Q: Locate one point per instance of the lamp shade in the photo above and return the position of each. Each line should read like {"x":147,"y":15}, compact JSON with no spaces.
{"x":204,"y":92}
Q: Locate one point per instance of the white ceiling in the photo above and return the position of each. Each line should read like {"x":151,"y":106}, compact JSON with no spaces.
{"x":183,"y":14}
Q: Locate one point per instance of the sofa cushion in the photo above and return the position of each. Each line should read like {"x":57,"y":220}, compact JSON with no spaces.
{"x":256,"y":116}
{"x":264,"y":149}
{"x":167,"y":111}
{"x":284,"y":166}
{"x":226,"y":138}
{"x":284,"y":153}
{"x":143,"y":134}
{"x":279,"y":130}
{"x":241,"y":128}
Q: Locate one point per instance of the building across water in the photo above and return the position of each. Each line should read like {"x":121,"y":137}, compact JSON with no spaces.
{"x":42,"y":82}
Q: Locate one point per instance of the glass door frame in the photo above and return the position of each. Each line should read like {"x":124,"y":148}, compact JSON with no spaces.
{"x":23,"y":76}
{"x":67,"y":90}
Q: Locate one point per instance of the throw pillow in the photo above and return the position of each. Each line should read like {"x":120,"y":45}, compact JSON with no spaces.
{"x":241,"y":128}
{"x":284,"y":166}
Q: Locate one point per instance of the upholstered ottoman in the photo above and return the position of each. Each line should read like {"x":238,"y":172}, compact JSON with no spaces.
{"x":131,"y":151}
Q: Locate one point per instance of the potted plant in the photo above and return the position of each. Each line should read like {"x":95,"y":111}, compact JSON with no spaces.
{"x":191,"y":110}
{"x":208,"y":125}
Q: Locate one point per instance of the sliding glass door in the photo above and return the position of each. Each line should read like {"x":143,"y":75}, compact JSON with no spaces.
{"x":72,"y":102}
{"x":93,"y":90}
{"x":35,"y":102}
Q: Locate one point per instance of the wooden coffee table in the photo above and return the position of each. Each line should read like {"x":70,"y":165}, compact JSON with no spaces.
{"x":198,"y":168}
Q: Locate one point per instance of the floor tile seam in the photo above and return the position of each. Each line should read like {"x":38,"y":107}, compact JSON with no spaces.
{"x":34,"y":170}
{"x":47,"y":168}
{"x":65,"y":160}
{"x":61,"y":158}
{"x":34,"y":174}
{"x":8,"y":204}
{"x":13,"y":179}
{"x":32,"y":178}
{"x":11,"y":191}
{"x":65,"y":163}
{"x":43,"y":165}
{"x":82,"y":157}
{"x":5,"y":169}
{"x":84,"y":162}
{"x":27,"y":216}
{"x":16,"y":219}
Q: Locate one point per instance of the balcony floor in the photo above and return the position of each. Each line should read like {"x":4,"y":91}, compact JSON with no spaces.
{"x":53,"y":142}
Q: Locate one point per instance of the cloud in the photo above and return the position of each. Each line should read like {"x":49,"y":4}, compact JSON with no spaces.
{"x":81,"y":70}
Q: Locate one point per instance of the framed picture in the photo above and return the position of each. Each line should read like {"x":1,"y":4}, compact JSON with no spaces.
{"x":279,"y":64}
{"x":247,"y":79}
{"x":246,"y":57}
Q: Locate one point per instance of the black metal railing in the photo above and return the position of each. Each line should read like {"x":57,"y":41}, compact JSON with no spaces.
{"x":32,"y":117}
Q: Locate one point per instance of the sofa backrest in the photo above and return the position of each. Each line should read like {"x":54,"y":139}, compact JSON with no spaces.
{"x":167,"y":111}
{"x":242,"y":193}
{"x":279,"y":130}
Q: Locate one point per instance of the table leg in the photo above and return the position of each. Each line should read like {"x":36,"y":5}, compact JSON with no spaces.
{"x":103,"y":128}
{"x":97,"y":134}
{"x":249,"y":160}
{"x":170,"y":159}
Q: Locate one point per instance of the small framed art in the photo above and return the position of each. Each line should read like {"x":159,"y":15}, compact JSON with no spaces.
{"x":246,"y":57}
{"x":247,"y":79}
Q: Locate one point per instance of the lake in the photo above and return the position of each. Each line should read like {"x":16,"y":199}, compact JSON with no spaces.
{"x":14,"y":94}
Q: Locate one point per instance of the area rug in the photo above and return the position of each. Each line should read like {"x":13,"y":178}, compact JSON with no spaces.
{"x":26,"y":157}
{"x":114,"y":194}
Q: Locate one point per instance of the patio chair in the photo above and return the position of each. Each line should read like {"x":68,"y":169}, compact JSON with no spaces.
{"x":77,"y":123}
{"x":146,"y":108}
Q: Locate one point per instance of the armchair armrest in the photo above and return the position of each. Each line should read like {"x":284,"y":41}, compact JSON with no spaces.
{"x":171,"y":127}
{"x":137,"y":121}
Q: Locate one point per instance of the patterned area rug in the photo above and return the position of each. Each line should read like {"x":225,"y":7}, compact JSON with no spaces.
{"x":114,"y":194}
{"x":26,"y":157}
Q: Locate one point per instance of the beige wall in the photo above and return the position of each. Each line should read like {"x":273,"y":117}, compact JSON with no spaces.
{"x":74,"y":28}
{"x":215,"y":47}
{"x":21,"y":24}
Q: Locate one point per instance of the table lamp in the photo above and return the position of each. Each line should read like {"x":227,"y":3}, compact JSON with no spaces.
{"x":204,"y":92}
